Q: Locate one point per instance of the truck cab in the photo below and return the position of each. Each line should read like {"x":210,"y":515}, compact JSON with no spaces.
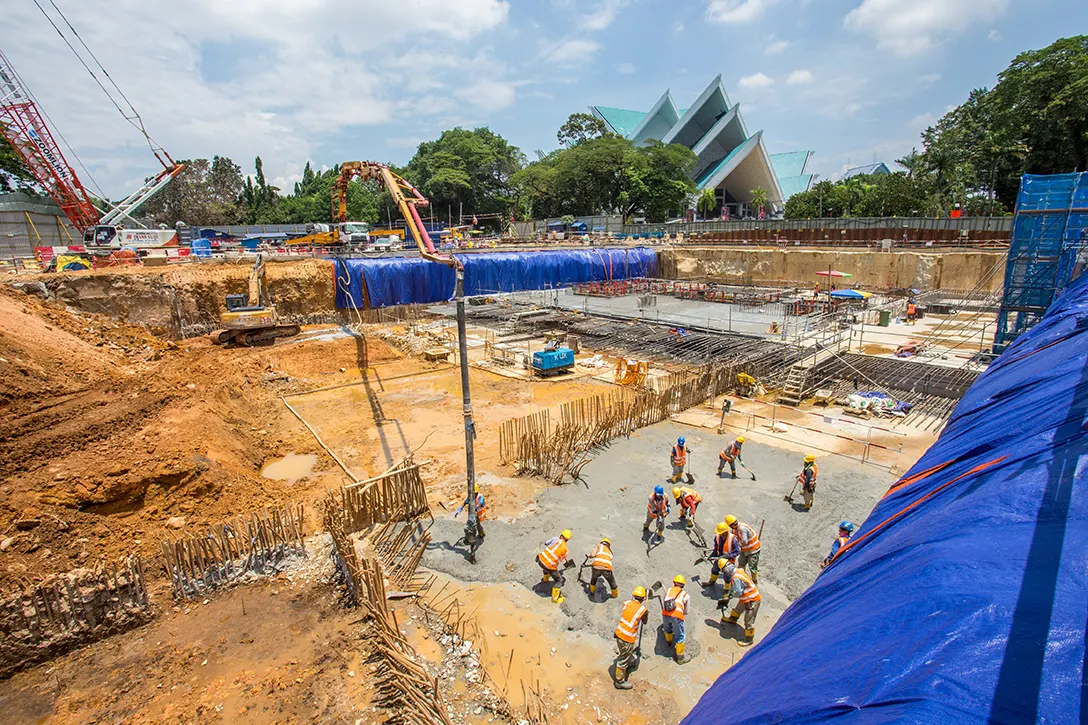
{"x":354,"y":233}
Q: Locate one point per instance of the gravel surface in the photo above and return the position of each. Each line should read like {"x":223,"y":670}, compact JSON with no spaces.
{"x":613,"y":503}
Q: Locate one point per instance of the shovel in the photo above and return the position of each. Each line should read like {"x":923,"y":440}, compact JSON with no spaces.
{"x":655,"y":588}
{"x":581,"y":569}
{"x":789,"y":496}
{"x":746,"y":468}
{"x":700,"y":534}
{"x":687,"y":474}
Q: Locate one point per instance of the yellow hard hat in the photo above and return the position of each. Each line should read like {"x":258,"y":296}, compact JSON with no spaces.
{"x":676,"y":491}
{"x":606,"y":540}
{"x":720,"y":528}
{"x":740,"y":439}
{"x":567,"y":534}
{"x":730,"y":520}
{"x":810,"y":458}
{"x":639,"y":593}
{"x":476,"y":488}
{"x":722,"y":563}
{"x":679,"y":579}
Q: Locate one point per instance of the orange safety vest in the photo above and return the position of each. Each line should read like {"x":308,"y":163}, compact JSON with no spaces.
{"x":911,"y":309}
{"x":842,"y":541}
{"x":630,"y":621}
{"x":749,"y":541}
{"x":723,"y":543}
{"x":680,"y":598}
{"x":553,"y":554}
{"x":481,"y":506}
{"x":815,"y":471}
{"x":731,"y":452}
{"x":602,"y":558}
{"x":689,"y":498}
{"x":679,"y":455}
{"x":657,"y":507}
{"x":751,"y":593}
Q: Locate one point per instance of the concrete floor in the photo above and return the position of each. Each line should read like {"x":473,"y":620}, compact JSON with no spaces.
{"x":613,"y":503}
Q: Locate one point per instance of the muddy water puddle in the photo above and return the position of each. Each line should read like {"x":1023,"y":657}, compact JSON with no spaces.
{"x":292,"y":468}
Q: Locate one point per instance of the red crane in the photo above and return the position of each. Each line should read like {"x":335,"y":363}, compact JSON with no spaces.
{"x":23,"y":125}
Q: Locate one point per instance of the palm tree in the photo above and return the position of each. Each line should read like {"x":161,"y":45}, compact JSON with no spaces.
{"x":759,"y":198}
{"x":911,"y":162}
{"x":707,"y":202}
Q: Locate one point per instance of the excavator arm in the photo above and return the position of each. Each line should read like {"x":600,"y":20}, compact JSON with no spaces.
{"x":256,"y":283}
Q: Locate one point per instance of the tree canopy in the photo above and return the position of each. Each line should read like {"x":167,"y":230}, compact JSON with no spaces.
{"x":581,"y":127}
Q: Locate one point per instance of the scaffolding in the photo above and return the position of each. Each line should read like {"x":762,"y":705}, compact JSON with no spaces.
{"x":1050,"y":232}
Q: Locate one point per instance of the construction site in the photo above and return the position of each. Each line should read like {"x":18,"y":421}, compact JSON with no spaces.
{"x":615,"y":478}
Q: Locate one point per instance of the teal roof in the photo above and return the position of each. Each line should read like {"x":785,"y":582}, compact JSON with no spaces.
{"x":790,"y":164}
{"x":711,"y":171}
{"x":622,"y":121}
{"x":794,"y":184}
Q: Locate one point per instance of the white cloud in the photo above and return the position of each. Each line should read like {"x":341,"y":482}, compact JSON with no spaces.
{"x":755,"y":81}
{"x":929,"y":79}
{"x":625,"y":68}
{"x":569,"y":53}
{"x":736,"y":11}
{"x":774,"y":47}
{"x":245,"y":78}
{"x":679,"y":29}
{"x":603,"y":15}
{"x":910,"y":27}
{"x":995,"y":36}
{"x":922,"y":121}
{"x":800,"y":77}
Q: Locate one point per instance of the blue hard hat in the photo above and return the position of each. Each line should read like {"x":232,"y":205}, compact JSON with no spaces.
{"x":659,"y":491}
{"x":847,"y":526}
{"x":680,"y":440}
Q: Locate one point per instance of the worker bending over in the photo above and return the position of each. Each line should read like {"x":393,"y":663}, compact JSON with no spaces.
{"x":632,"y":618}
{"x":688,"y":500}
{"x":551,"y":562}
{"x":602,"y":567}
{"x":846,"y":530}
{"x":738,"y":585}
{"x":673,"y":608}
{"x":807,"y":479}
{"x":726,"y":550}
{"x":731,"y":455}
{"x":912,"y":312}
{"x":678,"y":457}
{"x":749,"y":545}
{"x":656,"y":510}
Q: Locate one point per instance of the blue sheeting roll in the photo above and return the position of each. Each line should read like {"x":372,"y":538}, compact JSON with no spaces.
{"x":963,"y":598}
{"x":404,"y":281}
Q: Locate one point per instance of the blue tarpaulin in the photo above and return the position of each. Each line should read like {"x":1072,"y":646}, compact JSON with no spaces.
{"x":404,"y":281}
{"x":963,"y":598}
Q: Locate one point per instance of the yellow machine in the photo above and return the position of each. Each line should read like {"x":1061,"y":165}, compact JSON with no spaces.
{"x":249,"y":320}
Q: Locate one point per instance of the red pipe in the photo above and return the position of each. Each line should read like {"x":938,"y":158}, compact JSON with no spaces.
{"x":422,"y":229}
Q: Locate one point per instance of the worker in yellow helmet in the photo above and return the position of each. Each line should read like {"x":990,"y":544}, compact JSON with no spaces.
{"x":673,"y":609}
{"x":601,"y":568}
{"x":688,"y":500}
{"x":726,"y":549}
{"x":749,"y":545}
{"x":740,"y":586}
{"x":807,"y":479}
{"x":551,"y":560}
{"x":628,"y":632}
{"x":731,"y":455}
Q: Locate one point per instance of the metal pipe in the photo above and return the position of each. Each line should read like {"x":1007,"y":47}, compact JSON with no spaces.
{"x":470,"y":429}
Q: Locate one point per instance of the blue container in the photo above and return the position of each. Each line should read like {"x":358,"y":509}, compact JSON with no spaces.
{"x":553,"y":360}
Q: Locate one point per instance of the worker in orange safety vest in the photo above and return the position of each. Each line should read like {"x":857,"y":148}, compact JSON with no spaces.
{"x":807,"y":479}
{"x":632,"y":618}
{"x":689,"y":500}
{"x":726,"y":549}
{"x":912,"y":312}
{"x":678,"y":457}
{"x":657,"y":508}
{"x":673,"y":609}
{"x":551,"y":562}
{"x":730,"y":456}
{"x":846,"y":530}
{"x":749,"y":545}
{"x":741,"y":587}
{"x":601,"y":568}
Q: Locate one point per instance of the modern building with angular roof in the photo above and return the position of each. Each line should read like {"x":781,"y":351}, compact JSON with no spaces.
{"x":731,"y":161}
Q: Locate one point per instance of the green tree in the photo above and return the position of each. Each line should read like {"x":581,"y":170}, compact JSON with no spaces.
{"x":204,"y":193}
{"x":759,"y":197}
{"x":261,"y":199}
{"x":581,"y":127}
{"x":706,"y":202}
{"x":14,"y":174}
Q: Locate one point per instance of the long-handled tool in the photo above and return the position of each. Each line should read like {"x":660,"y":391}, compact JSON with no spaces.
{"x":582,"y":568}
{"x":705,"y":557}
{"x":746,"y":468}
{"x":700,"y":534}
{"x":789,"y":496}
{"x":687,"y":473}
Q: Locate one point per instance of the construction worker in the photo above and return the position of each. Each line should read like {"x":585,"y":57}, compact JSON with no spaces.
{"x":688,"y":499}
{"x":678,"y":457}
{"x":551,"y":562}
{"x":602,"y":567}
{"x":746,"y":385}
{"x":657,"y":509}
{"x":726,"y":550}
{"x":740,"y":586}
{"x":481,"y":508}
{"x":912,"y":311}
{"x":749,"y":545}
{"x":632,"y":617}
{"x":807,"y":479}
{"x":846,"y":530}
{"x":673,"y":608}
{"x":731,"y":455}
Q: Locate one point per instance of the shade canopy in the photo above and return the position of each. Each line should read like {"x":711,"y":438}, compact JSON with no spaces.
{"x":851,"y":294}
{"x":833,"y":273}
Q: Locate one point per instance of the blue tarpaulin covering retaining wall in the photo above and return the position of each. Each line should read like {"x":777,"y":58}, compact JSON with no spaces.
{"x":964,"y":596}
{"x":405,"y":281}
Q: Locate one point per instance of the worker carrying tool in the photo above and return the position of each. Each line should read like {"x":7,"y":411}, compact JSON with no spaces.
{"x":730,"y":456}
{"x":846,"y":530}
{"x":602,"y":568}
{"x":726,"y":550}
{"x":749,"y":545}
{"x":673,"y":608}
{"x":678,"y":457}
{"x":738,"y":585}
{"x":628,"y":632}
{"x":551,"y":561}
{"x":807,"y":479}
{"x":688,"y":499}
{"x":657,"y":509}
{"x":912,"y":312}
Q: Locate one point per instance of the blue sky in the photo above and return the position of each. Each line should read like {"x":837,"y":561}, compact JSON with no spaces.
{"x":333,"y":80}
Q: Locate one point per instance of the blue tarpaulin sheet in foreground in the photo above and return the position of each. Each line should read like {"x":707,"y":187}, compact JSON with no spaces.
{"x":963,"y":598}
{"x":405,"y":281}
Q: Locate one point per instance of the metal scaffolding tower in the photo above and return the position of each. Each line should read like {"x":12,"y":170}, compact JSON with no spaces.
{"x":1049,"y":242}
